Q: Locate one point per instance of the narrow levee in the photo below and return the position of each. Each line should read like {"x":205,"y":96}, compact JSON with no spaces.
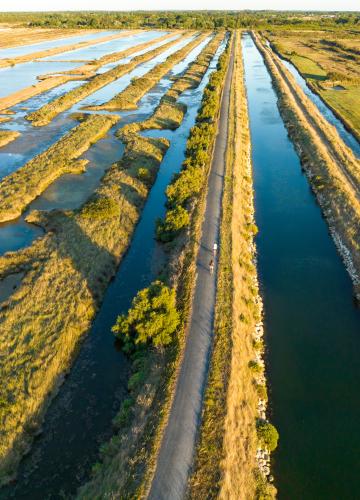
{"x":312,"y":325}
{"x":177,"y":448}
{"x":97,"y":383}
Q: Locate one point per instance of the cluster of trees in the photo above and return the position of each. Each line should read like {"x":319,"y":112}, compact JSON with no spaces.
{"x":152,"y":318}
{"x":186,"y":185}
{"x":179,"y":19}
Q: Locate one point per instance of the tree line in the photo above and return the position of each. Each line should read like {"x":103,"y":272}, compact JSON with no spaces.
{"x":183,"y":19}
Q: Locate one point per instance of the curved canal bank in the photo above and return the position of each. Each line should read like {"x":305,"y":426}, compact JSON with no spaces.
{"x":311,"y":323}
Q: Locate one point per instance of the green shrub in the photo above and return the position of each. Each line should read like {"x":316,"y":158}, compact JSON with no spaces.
{"x":144,"y":175}
{"x":188,"y":183}
{"x":175,"y":220}
{"x":123,"y":416}
{"x":102,"y":208}
{"x":262,"y":391}
{"x":255,"y":366}
{"x":152,"y":318}
{"x":267,"y":434}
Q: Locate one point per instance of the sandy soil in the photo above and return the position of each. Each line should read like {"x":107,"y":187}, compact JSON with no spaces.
{"x":59,"y":50}
{"x":13,"y":37}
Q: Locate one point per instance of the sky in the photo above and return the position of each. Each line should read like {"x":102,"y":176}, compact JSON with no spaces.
{"x":46,"y":5}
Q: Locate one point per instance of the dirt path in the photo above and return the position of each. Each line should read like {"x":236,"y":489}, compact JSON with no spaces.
{"x":178,"y":444}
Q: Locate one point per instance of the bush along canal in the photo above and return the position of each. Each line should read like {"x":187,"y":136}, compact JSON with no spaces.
{"x":311,"y":323}
{"x":96,"y":385}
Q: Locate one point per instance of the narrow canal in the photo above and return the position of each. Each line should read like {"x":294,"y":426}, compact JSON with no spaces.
{"x":312,"y":325}
{"x":79,"y":419}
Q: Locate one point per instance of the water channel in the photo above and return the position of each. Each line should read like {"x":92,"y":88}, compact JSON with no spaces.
{"x":17,"y":234}
{"x":97,"y":383}
{"x":312,"y":325}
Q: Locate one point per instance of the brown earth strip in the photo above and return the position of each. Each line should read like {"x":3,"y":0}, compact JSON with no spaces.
{"x":59,"y":50}
{"x":17,"y":37}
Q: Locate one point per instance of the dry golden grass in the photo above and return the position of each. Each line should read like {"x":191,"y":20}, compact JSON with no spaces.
{"x":7,"y":136}
{"x":330,"y":165}
{"x":66,"y":274}
{"x":19,"y":188}
{"x":240,"y":438}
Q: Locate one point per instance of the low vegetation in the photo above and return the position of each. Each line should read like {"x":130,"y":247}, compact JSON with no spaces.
{"x":152,"y":319}
{"x":225,"y":464}
{"x":66,"y":273}
{"x":330,"y":64}
{"x":128,"y":98}
{"x":18,"y":189}
{"x":140,"y":421}
{"x":7,"y":136}
{"x":46,"y":113}
{"x":332,"y":169}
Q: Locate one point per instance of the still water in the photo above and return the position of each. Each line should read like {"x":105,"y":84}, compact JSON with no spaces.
{"x":312,"y":325}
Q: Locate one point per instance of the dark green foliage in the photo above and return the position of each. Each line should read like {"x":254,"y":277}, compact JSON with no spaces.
{"x":185,"y":19}
{"x":152,"y":318}
{"x":267,"y":434}
{"x":175,"y":220}
{"x":186,"y":186}
{"x":101,"y":208}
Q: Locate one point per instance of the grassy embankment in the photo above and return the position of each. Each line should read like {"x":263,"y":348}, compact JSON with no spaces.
{"x":18,"y":189}
{"x":331,"y":66}
{"x":46,"y":113}
{"x":65,"y":274}
{"x":226,"y":460}
{"x":331,"y":167}
{"x":128,"y":98}
{"x":139,"y":424}
{"x":7,"y":136}
{"x":83,"y":72}
{"x":59,"y":50}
